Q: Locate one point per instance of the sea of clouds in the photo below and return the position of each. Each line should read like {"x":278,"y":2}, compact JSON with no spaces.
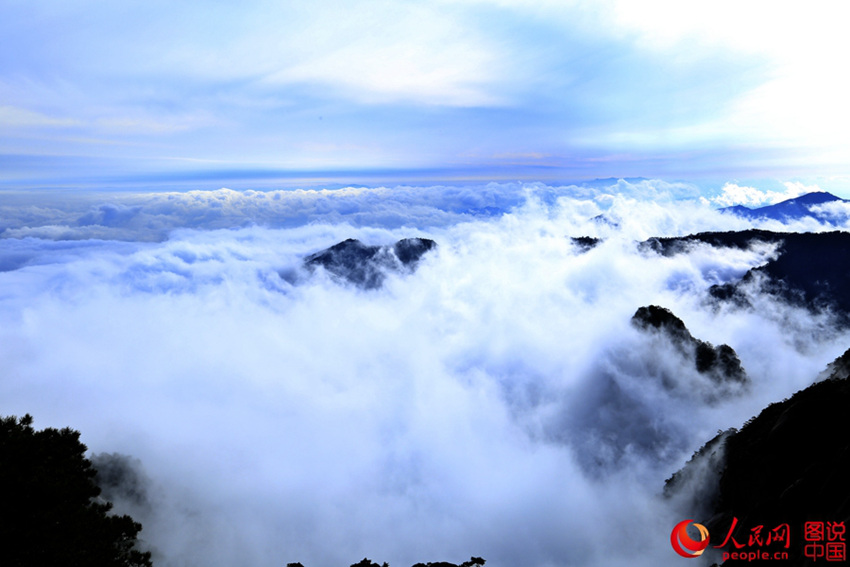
{"x":497,"y":402}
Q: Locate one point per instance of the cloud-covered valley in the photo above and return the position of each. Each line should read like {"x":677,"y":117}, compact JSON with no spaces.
{"x":497,"y":401}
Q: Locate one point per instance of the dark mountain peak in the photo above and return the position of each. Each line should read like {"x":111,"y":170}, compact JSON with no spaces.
{"x":585,"y":243}
{"x":660,"y":318}
{"x":410,"y":250}
{"x":813,"y":198}
{"x":614,"y":416}
{"x":720,"y":363}
{"x":738,"y":210}
{"x":604,"y":219}
{"x":350,"y":244}
{"x":366,"y":266}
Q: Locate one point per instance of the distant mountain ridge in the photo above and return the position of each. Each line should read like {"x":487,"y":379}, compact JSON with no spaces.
{"x":790,"y":209}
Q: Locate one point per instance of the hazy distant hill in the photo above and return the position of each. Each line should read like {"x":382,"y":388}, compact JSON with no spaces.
{"x":792,"y":209}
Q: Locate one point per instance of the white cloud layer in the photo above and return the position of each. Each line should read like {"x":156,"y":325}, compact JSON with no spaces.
{"x":153,"y":216}
{"x":734,"y":194}
{"x":496,"y":402}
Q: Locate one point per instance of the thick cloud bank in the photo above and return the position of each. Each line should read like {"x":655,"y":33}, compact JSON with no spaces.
{"x":497,"y":401}
{"x":152,"y":216}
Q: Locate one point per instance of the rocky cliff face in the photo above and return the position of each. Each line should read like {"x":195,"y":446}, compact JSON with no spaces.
{"x":614,"y":416}
{"x":720,"y":363}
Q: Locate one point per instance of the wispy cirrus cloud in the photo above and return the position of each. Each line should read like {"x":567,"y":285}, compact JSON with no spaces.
{"x":13,"y":117}
{"x":429,"y":84}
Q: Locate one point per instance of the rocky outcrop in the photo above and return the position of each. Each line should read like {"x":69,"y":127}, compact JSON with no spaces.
{"x":367,"y":266}
{"x":585,"y":243}
{"x":720,"y":363}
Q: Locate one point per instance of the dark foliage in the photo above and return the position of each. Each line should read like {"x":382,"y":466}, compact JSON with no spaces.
{"x":698,"y":480}
{"x":366,"y":266}
{"x":120,"y":477}
{"x":366,"y":563}
{"x":472,"y":562}
{"x":790,"y":464}
{"x":840,"y":367}
{"x":51,"y":514}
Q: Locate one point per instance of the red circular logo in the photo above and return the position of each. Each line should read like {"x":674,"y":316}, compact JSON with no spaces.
{"x":685,"y":545}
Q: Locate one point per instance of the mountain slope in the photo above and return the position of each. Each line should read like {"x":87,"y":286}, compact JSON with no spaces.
{"x":788,"y":465}
{"x":720,"y":363}
{"x":791,"y":209}
{"x":367,"y":266}
{"x":811,"y":269}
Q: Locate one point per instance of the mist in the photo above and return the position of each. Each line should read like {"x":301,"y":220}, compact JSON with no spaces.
{"x":496,"y":402}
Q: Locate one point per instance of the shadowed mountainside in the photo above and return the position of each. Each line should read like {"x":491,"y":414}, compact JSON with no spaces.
{"x":613,"y":416}
{"x":788,"y":465}
{"x":810,"y":271}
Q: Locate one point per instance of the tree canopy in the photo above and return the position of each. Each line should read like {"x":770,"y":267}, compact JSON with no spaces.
{"x":51,"y":514}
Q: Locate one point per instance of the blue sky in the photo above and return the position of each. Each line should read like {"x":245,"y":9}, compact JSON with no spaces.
{"x":96,"y":93}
